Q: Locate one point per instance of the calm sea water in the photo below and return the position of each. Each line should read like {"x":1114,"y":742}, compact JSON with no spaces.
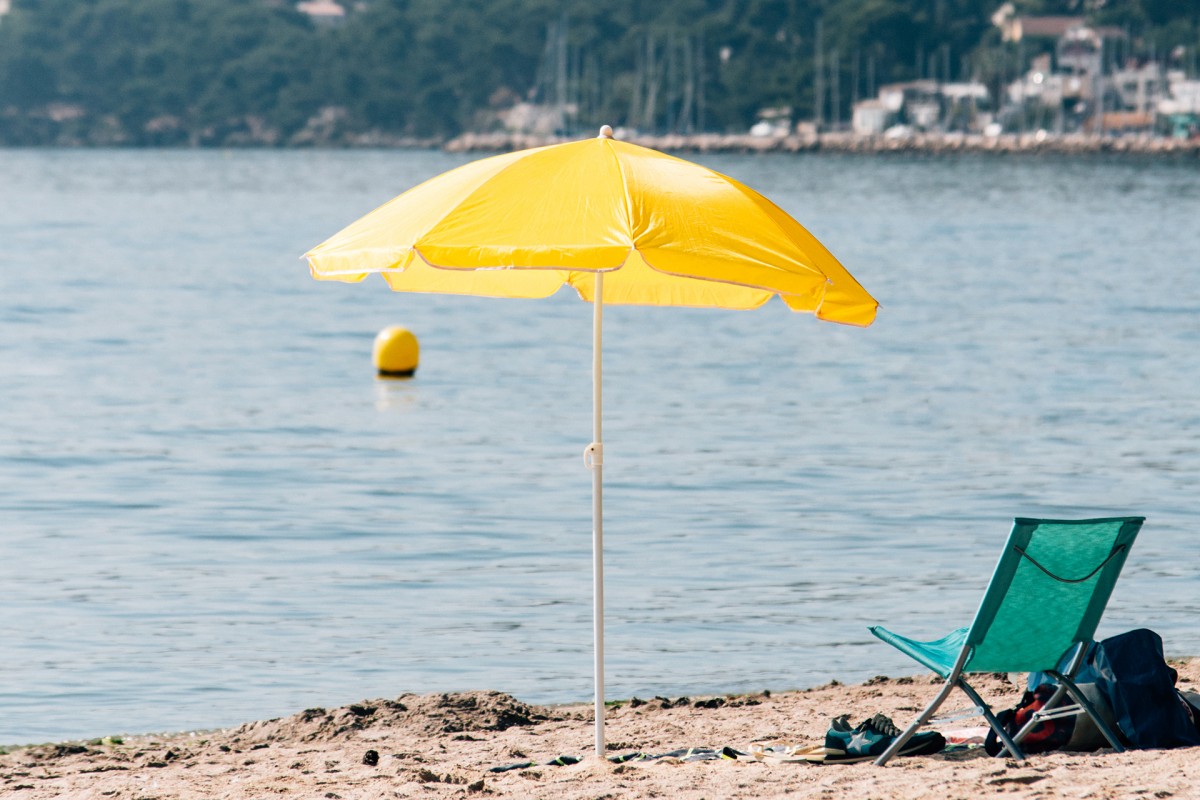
{"x":211,"y":511}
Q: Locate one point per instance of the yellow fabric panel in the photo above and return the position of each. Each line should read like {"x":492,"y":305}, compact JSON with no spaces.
{"x":560,"y":207}
{"x":528,"y":283}
{"x":384,"y":238}
{"x":664,"y":230}
{"x":637,"y":284}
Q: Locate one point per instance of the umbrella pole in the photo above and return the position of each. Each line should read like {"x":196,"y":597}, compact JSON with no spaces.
{"x":596,"y":462}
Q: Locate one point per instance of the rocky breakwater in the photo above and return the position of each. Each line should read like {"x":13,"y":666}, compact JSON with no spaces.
{"x":840,"y":142}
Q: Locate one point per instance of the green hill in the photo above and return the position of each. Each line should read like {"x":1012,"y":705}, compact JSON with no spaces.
{"x":220,"y":72}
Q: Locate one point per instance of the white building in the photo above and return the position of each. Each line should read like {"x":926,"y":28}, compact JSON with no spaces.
{"x":924,"y":105}
{"x":870,"y":118}
{"x":322,"y":12}
{"x":1078,"y":51}
{"x":1139,"y":87}
{"x":1183,"y":95}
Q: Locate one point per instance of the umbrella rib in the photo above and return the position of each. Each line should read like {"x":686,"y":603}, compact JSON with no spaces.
{"x":625,"y":191}
{"x":502,"y":267}
{"x":754,"y":196}
{"x":728,"y":282}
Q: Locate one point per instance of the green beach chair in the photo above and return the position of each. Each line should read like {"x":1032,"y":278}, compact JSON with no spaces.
{"x":1044,"y":601}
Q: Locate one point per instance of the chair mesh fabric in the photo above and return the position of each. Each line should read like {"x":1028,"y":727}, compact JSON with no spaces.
{"x":1029,"y":619}
{"x":938,"y":655}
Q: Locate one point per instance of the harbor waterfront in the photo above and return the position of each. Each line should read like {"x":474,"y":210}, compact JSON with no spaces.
{"x":212,"y":511}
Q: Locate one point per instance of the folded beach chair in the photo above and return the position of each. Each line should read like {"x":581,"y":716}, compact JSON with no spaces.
{"x":1045,"y":599}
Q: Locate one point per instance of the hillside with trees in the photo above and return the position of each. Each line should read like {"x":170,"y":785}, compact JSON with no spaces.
{"x":228,"y":72}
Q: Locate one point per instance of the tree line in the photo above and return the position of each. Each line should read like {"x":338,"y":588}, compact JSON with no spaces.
{"x":219,"y":72}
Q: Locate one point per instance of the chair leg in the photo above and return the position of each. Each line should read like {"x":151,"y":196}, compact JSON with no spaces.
{"x":1009,"y":744}
{"x":925,"y":716}
{"x":1080,"y":698}
{"x":1033,"y":720}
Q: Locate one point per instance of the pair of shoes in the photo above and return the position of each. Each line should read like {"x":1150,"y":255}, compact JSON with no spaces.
{"x":869,"y":740}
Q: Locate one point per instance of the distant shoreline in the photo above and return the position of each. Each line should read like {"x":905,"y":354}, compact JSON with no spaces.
{"x":918,"y":144}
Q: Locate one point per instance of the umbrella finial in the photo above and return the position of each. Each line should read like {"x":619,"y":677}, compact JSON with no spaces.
{"x":605,"y":132}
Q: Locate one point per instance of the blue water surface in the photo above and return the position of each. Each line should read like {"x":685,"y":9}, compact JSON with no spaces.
{"x":211,"y":511}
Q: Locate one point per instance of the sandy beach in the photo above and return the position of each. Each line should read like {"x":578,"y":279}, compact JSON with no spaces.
{"x":446,"y":745}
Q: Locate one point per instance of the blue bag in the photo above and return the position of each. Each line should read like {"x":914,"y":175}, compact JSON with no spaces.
{"x":1140,"y":686}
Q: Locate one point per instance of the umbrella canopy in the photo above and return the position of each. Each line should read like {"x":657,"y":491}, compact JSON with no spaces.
{"x":667,"y":232}
{"x":621,"y":224}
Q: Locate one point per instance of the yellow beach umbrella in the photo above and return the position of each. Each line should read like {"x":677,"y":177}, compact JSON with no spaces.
{"x":619,"y":223}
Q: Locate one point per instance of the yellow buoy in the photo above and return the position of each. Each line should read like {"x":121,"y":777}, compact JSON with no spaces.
{"x":396,"y":352}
